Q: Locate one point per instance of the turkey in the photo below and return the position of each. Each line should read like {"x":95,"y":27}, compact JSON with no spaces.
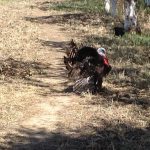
{"x":86,"y":66}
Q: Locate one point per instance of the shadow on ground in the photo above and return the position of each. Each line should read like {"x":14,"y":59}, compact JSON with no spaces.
{"x":32,"y":74}
{"x":126,"y":97}
{"x":111,"y":135}
{"x":70,"y":18}
{"x":57,"y":46}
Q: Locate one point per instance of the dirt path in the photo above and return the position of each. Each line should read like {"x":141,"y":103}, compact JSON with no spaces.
{"x":44,"y":43}
{"x":47,"y":115}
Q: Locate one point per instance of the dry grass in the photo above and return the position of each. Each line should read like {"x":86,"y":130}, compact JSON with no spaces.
{"x":17,"y":49}
{"x":35,"y":110}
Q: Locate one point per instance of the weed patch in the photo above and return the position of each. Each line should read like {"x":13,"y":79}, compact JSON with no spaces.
{"x":78,"y":5}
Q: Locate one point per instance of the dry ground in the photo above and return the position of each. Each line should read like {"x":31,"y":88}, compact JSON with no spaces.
{"x":37,"y":110}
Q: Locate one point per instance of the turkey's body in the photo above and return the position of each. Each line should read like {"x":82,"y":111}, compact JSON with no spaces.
{"x":86,"y":69}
